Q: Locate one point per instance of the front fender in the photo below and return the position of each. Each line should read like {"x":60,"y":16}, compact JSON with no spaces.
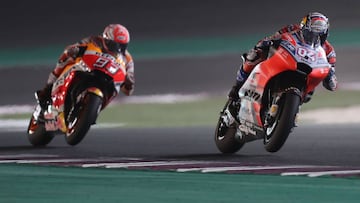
{"x":95,"y":91}
{"x":293,"y":90}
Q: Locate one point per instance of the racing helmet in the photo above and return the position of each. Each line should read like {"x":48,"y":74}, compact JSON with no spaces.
{"x":116,"y":38}
{"x":314,"y":27}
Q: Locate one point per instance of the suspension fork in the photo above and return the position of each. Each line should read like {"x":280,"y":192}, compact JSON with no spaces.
{"x":273,"y":106}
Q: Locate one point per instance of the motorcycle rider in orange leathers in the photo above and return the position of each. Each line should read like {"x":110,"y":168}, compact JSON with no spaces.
{"x":114,"y":41}
{"x":313,"y":30}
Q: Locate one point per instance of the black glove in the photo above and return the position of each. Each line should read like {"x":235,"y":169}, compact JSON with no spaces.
{"x":44,"y":95}
{"x":128,"y":86}
{"x":72,"y":51}
{"x":264,"y":44}
{"x":330,"y":82}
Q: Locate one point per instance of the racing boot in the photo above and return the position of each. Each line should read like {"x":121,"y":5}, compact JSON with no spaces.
{"x":233,"y":95}
{"x":44,"y":96}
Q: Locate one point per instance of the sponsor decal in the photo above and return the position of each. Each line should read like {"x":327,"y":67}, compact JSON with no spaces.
{"x":288,"y":46}
{"x":247,"y":127}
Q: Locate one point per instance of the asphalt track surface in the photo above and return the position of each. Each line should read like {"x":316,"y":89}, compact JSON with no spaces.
{"x":307,"y":145}
{"x":321,"y":146}
{"x":137,"y":165}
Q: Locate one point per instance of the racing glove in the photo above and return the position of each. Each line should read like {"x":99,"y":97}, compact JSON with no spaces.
{"x":330,"y":82}
{"x":128,"y":86}
{"x":234,"y":92}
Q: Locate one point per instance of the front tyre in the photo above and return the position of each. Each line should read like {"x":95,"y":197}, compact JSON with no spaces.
{"x":279,"y":130}
{"x":37,"y":134}
{"x":80,"y":123}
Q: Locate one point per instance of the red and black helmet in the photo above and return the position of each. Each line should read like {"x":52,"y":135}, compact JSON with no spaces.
{"x":116,"y":38}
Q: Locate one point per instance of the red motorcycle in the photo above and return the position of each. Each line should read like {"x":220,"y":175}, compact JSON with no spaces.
{"x":272,"y":95}
{"x":84,"y":89}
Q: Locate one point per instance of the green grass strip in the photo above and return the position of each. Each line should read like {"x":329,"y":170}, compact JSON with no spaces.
{"x":203,"y":112}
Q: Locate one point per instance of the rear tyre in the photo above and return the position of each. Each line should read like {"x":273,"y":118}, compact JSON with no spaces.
{"x":225,"y":136}
{"x":37,"y":134}
{"x":87,"y":114}
{"x":278,"y":132}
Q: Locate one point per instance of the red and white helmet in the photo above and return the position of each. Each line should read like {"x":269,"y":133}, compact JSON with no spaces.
{"x":116,"y":38}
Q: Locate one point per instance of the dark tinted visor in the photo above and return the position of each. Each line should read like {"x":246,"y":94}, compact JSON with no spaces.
{"x":311,"y":38}
{"x":115,"y":47}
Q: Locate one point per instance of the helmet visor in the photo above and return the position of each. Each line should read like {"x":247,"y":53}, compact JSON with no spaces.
{"x":115,"y":47}
{"x":311,"y":38}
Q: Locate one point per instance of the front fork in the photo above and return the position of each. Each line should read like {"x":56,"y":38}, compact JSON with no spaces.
{"x":76,"y":106}
{"x":273,"y":109}
{"x":272,"y":112}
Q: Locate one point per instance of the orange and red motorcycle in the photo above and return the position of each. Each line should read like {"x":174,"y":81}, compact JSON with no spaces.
{"x":84,"y":88}
{"x":272,"y":95}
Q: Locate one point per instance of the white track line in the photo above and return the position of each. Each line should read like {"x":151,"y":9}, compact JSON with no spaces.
{"x":143,"y":164}
{"x":321,"y":173}
{"x":243,"y":168}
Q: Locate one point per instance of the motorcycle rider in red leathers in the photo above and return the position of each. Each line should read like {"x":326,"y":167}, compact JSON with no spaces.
{"x":313,"y":30}
{"x":114,"y":41}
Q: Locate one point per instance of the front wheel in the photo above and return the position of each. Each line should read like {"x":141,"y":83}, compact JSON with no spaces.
{"x":225,"y":136}
{"x":86,"y":115}
{"x":279,"y":130}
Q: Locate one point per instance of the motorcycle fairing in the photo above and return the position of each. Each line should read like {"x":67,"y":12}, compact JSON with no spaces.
{"x":286,"y":60}
{"x":92,"y":61}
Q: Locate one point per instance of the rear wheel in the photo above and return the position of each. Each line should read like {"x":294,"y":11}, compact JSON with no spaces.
{"x":278,"y":132}
{"x":86,"y":115}
{"x":225,"y":136}
{"x":37,"y":134}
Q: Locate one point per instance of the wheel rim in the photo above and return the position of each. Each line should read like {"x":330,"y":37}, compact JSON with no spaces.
{"x":271,"y":128}
{"x":33,"y":126}
{"x":71,"y":126}
{"x":73,"y":119}
{"x":220,"y":130}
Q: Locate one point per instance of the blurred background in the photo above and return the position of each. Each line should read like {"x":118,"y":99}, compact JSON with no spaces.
{"x":179,"y":46}
{"x":34,"y":23}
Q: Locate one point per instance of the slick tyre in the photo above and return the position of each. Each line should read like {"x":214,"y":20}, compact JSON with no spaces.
{"x":226,"y":143}
{"x":285,"y":122}
{"x":81,"y":123}
{"x":225,"y":136}
{"x":37,"y":134}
